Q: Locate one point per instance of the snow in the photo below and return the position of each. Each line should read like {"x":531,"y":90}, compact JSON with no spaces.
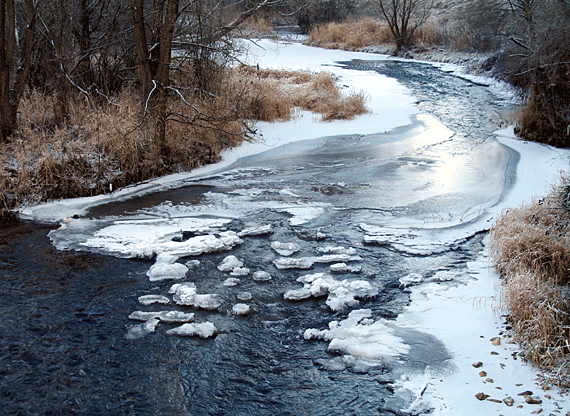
{"x":204,"y":330}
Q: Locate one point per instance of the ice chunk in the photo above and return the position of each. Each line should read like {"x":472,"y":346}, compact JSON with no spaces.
{"x":361,"y":337}
{"x":307,"y":262}
{"x":192,"y":264}
{"x":229,"y":263}
{"x":240,"y":271}
{"x":204,"y":330}
{"x":261,"y":276}
{"x":241,"y":309}
{"x":150,"y":299}
{"x":411,"y":279}
{"x":337,"y":250}
{"x":139,"y":331}
{"x":340,"y":293}
{"x":185,"y":294}
{"x":244,"y":296}
{"x":344,"y":268}
{"x":285,"y":249}
{"x":261,"y":230}
{"x":231,"y":281}
{"x":165,"y":316}
{"x":165,"y":267}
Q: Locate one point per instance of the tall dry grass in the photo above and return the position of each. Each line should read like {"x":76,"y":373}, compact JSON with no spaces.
{"x":105,"y":144}
{"x":350,"y":35}
{"x":531,"y":249}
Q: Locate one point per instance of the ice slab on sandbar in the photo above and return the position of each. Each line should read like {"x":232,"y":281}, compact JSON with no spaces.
{"x":164,"y":316}
{"x":361,"y":337}
{"x":341,"y":293}
{"x":285,"y":249}
{"x":185,"y":294}
{"x":204,"y":330}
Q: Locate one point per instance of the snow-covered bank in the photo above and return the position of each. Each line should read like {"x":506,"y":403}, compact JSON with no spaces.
{"x":457,"y":309}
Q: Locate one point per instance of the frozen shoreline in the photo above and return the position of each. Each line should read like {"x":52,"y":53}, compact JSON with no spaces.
{"x":459,"y":314}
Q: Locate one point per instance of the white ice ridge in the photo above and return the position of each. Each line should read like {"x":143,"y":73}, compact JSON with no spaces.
{"x":361,"y":337}
{"x":307,"y":262}
{"x":164,"y":316}
{"x":341,"y":293}
{"x":165,"y":267}
{"x":285,"y":249}
{"x":151,"y":299}
{"x":204,"y":330}
{"x":185,"y":294}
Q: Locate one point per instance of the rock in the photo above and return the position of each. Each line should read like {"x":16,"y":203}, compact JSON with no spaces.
{"x":494,"y":353}
{"x":478,"y":364}
{"x":481,"y":396}
{"x":496,"y":341}
{"x":489,"y":380}
{"x":494,"y":400}
{"x":509,"y":401}
{"x":536,"y":412}
{"x":482,"y":374}
{"x":548,"y":396}
{"x":532,"y":400}
{"x":525,"y":393}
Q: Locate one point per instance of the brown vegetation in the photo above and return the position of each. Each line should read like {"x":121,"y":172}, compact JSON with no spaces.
{"x":531,"y":250}
{"x":350,"y":35}
{"x":105,"y":144}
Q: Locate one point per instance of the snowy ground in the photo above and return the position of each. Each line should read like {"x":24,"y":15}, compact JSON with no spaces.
{"x":460,"y":312}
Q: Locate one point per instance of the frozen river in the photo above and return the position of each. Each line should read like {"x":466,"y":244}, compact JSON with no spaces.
{"x":335,"y":268}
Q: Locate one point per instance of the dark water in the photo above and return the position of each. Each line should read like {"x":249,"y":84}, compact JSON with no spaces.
{"x":63,"y":343}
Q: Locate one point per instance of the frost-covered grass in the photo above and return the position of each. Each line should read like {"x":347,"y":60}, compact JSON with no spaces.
{"x":531,"y":250}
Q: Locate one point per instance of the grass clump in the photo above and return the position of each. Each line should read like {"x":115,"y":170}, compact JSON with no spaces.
{"x":531,"y":249}
{"x":104,"y":143}
{"x":350,"y":35}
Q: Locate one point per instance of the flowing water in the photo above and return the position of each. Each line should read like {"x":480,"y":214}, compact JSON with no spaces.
{"x":369,"y":213}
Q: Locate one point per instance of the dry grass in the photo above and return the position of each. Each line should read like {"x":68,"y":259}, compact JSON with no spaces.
{"x":105,"y":145}
{"x":531,"y":250}
{"x":350,"y":35}
{"x":277,"y":94}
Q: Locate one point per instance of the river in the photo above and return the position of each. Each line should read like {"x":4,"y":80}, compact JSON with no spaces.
{"x":328,"y":234}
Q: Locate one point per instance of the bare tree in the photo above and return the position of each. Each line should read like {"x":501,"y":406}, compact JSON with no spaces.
{"x":15,"y":52}
{"x":404,"y":17}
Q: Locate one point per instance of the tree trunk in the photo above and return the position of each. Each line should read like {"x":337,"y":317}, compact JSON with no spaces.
{"x":12,"y":80}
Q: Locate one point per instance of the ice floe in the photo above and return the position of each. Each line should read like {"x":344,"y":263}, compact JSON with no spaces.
{"x":140,"y":330}
{"x":307,"y":262}
{"x":345,"y":268}
{"x":165,"y":267}
{"x":361,"y":336}
{"x":151,"y":299}
{"x":164,"y":316}
{"x":231,"y":281}
{"x":340,"y":293}
{"x":204,"y":330}
{"x":261,"y":276}
{"x":186,"y":294}
{"x":243,"y":296}
{"x":241,"y":309}
{"x":255,"y":231}
{"x":285,"y":249}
